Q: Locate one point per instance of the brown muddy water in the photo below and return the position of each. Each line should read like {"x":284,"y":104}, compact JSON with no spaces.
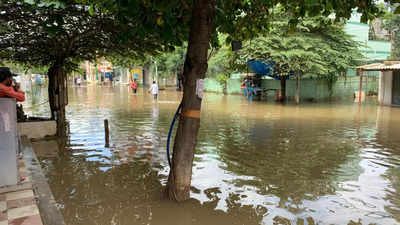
{"x":256,"y":162}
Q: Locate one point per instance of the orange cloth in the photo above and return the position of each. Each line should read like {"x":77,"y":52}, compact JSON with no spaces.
{"x":9,"y":92}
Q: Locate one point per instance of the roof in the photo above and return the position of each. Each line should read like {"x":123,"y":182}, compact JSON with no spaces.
{"x":385,"y":66}
{"x":247,"y":75}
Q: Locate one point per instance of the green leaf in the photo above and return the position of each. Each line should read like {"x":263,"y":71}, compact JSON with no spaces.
{"x":91,"y":10}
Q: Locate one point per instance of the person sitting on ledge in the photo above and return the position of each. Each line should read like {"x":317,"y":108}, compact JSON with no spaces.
{"x":7,"y":88}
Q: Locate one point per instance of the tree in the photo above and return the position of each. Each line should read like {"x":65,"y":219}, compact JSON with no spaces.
{"x":221,"y":63}
{"x":60,"y":35}
{"x":168,"y":63}
{"x":171,"y":63}
{"x":198,"y":22}
{"x":318,"y":46}
{"x":391,"y":22}
{"x":128,"y":62}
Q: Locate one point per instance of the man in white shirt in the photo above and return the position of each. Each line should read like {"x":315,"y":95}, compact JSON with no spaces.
{"x":154,"y":90}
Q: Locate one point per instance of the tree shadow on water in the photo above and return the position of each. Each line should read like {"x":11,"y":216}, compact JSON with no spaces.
{"x":129,"y":193}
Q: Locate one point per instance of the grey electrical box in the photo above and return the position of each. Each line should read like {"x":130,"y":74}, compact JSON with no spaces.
{"x":8,"y":142}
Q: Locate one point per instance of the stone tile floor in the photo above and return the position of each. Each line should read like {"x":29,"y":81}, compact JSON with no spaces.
{"x":18,"y":203}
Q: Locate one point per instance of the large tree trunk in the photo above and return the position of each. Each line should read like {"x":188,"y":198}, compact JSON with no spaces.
{"x":58,"y":97}
{"x":297,"y":88}
{"x":146,"y":76}
{"x":283,"y":90}
{"x":225,"y":88}
{"x":195,"y":68}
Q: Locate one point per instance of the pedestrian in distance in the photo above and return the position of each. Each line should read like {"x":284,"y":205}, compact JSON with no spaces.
{"x":134,"y":86}
{"x":243,"y":86}
{"x":250,"y":90}
{"x":180,"y":81}
{"x":154,"y":90}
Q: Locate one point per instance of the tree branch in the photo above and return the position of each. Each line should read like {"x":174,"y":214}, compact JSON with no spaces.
{"x":185,"y":5}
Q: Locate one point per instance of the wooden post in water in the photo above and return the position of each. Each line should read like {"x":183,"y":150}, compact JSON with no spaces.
{"x":107,"y":133}
{"x":283,"y":89}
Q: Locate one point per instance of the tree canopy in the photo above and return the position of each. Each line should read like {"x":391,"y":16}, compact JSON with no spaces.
{"x":60,"y":34}
{"x":241,"y":19}
{"x":170,"y":63}
{"x":64,"y":33}
{"x":318,"y":46}
{"x":391,"y":22}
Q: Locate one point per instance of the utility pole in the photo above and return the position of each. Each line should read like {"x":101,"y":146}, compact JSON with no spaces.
{"x":155,"y":63}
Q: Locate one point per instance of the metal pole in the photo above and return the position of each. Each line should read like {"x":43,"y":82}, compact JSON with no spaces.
{"x":156,"y":71}
{"x":360,"y":91}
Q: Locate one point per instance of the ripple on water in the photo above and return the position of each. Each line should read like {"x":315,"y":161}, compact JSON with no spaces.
{"x":255,"y":163}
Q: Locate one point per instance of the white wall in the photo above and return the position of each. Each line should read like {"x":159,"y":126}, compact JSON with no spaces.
{"x":9,"y":142}
{"x":385,"y":88}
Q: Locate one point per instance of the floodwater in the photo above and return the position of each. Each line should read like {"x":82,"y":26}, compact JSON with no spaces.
{"x":255,"y":163}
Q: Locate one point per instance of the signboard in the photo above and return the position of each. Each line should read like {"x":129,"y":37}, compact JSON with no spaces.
{"x":136,"y":73}
{"x":199,"y":88}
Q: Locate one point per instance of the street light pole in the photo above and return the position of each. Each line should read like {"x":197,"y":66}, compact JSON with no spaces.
{"x":155,"y":63}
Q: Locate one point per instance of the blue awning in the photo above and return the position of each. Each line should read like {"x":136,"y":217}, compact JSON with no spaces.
{"x":265,"y":68}
{"x":261,"y":68}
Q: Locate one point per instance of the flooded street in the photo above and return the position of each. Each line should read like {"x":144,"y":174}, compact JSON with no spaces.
{"x":255,"y":163}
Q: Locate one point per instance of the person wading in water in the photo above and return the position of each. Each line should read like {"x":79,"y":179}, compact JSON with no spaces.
{"x":154,"y":90}
{"x":134,"y":86}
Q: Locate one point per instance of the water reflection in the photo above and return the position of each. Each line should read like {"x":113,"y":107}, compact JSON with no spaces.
{"x":388,"y":142}
{"x":256,"y":163}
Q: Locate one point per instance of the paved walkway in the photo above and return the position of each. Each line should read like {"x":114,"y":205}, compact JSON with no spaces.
{"x":18,"y":204}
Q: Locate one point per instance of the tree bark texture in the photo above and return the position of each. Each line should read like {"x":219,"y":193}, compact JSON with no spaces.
{"x":297,"y":88}
{"x":283,"y":90}
{"x":195,"y":68}
{"x":58,"y":97}
{"x":225,"y":88}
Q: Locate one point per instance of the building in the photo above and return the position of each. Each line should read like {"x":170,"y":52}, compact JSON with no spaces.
{"x":389,"y":81}
{"x":374,"y":50}
{"x":313,"y":89}
{"x":96,"y":71}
